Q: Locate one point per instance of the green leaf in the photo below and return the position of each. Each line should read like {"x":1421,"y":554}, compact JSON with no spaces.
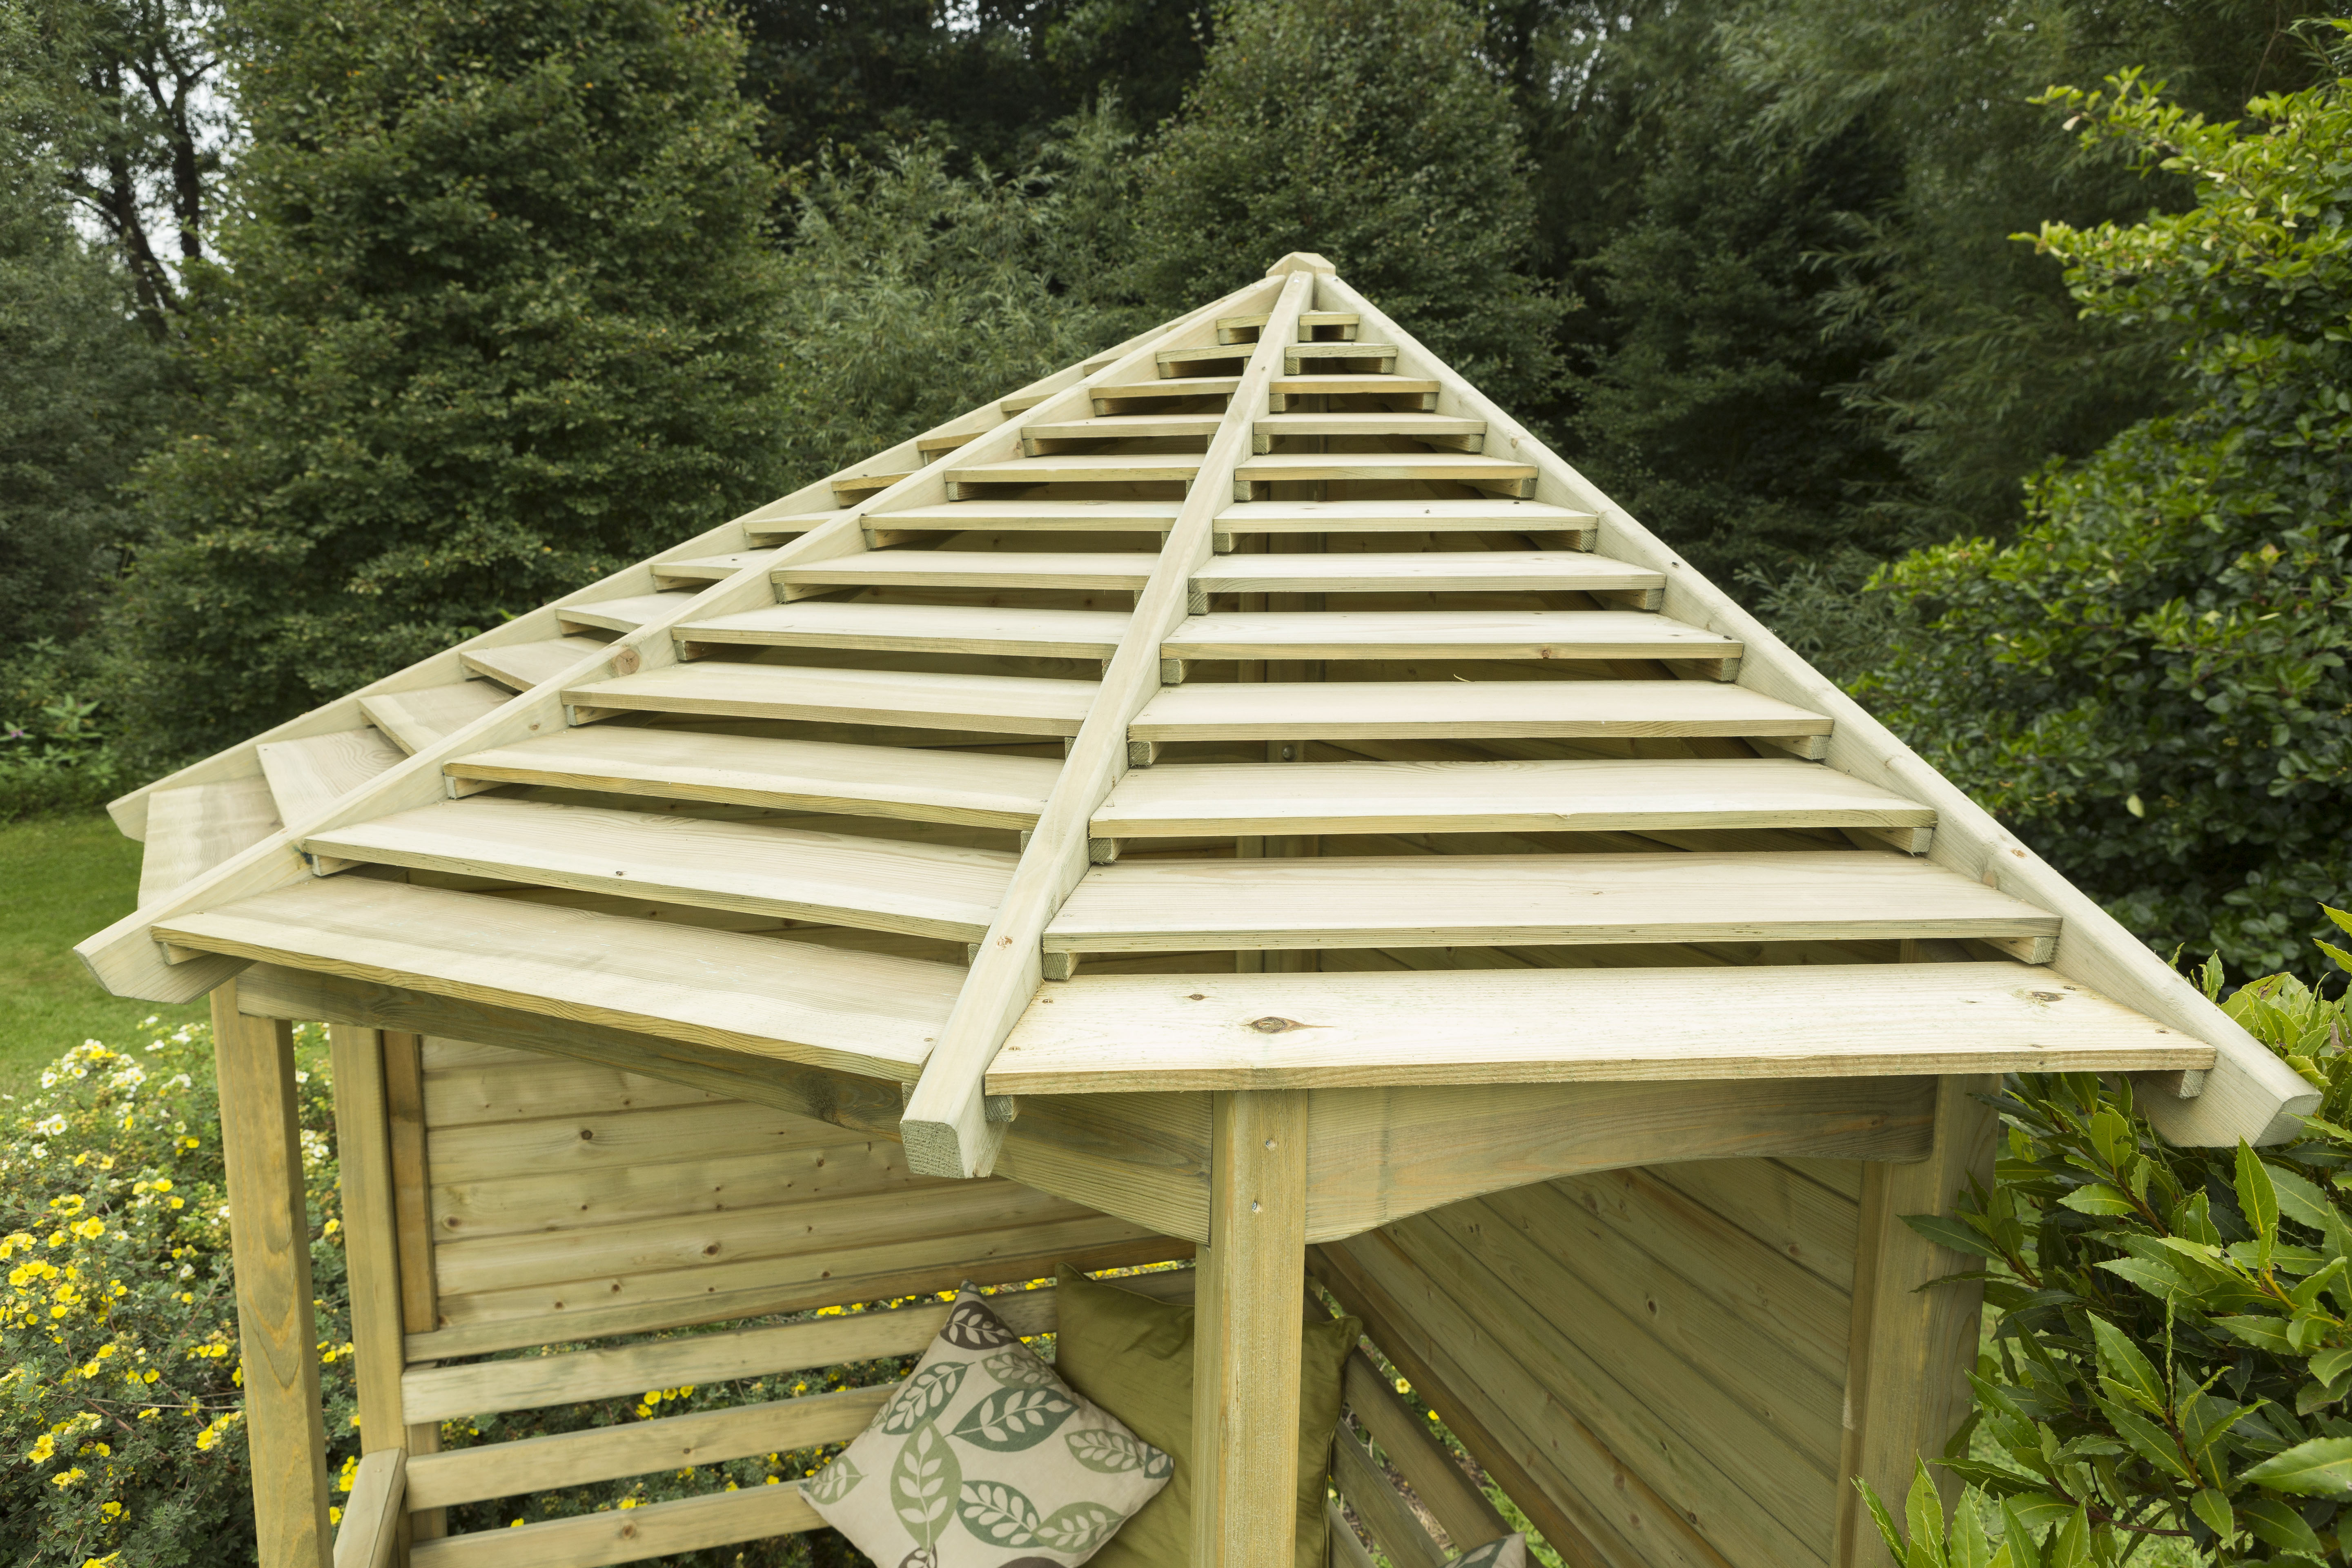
{"x":2156,"y":1279}
{"x":2330,"y":1365}
{"x":1951,"y":1233}
{"x":1924,"y":1513}
{"x":2150,"y":1441}
{"x":2299,"y":1200}
{"x":1970,"y":1547}
{"x":2320,"y":1467}
{"x":1885,"y":1521}
{"x":2275,"y":1523}
{"x":2070,"y":1545}
{"x":2124,"y":1368}
{"x":2213,"y":1507}
{"x":2257,"y":1198}
{"x":2263,"y":1333}
{"x":2098,"y":1198}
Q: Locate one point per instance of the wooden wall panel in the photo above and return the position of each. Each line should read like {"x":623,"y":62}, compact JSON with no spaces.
{"x":1669,"y":1344}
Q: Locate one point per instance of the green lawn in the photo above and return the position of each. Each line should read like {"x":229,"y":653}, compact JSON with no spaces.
{"x":64,"y":878}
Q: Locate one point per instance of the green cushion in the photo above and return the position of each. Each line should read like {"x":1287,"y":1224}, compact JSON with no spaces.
{"x":1133,"y":1356}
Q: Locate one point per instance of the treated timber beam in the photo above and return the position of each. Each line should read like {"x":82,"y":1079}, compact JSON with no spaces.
{"x":1379,"y":1154}
{"x":127,"y":959}
{"x":368,"y":1535}
{"x":948,"y":1130}
{"x":2249,"y":1093}
{"x":269,"y":1245}
{"x":1245,"y":1340}
{"x":1913,"y":1346}
{"x":371,"y":1230}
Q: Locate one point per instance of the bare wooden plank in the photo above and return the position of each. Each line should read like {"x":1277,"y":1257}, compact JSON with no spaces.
{"x":1441,"y":901}
{"x":857,"y":1012}
{"x":1246,"y":1337}
{"x":897,"y":782}
{"x":1379,"y":1154}
{"x":1433,"y":571}
{"x":417,"y":720}
{"x":285,"y":1440}
{"x":372,"y":1234}
{"x":1487,"y":515}
{"x":1446,"y":634}
{"x":1182,"y":801}
{"x":524,"y":664}
{"x":755,"y":867}
{"x":368,"y":1535}
{"x":1473,"y":709}
{"x":192,"y":829}
{"x":1461,"y":1510}
{"x":1393,"y":1528}
{"x":1798,"y":1220}
{"x":412,"y":1170}
{"x":626,"y":614}
{"x":594,"y":1539}
{"x":1073,"y":570}
{"x":307,"y":776}
{"x":685,"y":570}
{"x":608,"y":1453}
{"x":1109,"y":1033}
{"x":995,"y":632}
{"x":580,"y":1146}
{"x":1381,"y":468}
{"x":1005,"y":704}
{"x":1043,"y":515}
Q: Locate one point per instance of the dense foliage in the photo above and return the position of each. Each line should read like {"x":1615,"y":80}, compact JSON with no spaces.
{"x":2174,"y":1341}
{"x":494,"y":315}
{"x":2150,"y":679}
{"x":1368,"y":131}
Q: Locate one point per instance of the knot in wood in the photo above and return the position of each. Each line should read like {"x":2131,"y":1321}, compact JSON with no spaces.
{"x":1271,"y":1025}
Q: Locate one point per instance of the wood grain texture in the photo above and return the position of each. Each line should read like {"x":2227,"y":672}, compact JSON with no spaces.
{"x":919,"y":628}
{"x":1432,"y":572}
{"x":609,"y":1452}
{"x":1907,"y":1386}
{"x":1461,"y":1510}
{"x":899,"y":782}
{"x":1247,"y":1345}
{"x":753,"y":867}
{"x":1469,"y":710}
{"x":1174,"y":906}
{"x":1083,"y":468}
{"x":1379,"y":1154}
{"x":269,"y":1239}
{"x":1460,"y":467}
{"x":1484,"y":516}
{"x":1004,"y":704}
{"x":1446,"y":634}
{"x":1798,"y":1219}
{"x":852,"y":1011}
{"x":192,"y":829}
{"x":1186,"y":800}
{"x":626,"y":614}
{"x":368,"y":1535}
{"x":2249,"y":1093}
{"x":524,"y":664}
{"x":371,"y":1233}
{"x":417,"y":721}
{"x":978,"y":569}
{"x":307,"y":776}
{"x":1111,"y":1033}
{"x":659,"y":1530}
{"x":947,"y":1129}
{"x":1385,"y":1514}
{"x":1042,"y":515}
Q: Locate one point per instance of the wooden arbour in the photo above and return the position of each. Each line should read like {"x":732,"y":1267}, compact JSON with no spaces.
{"x":1240,"y":799}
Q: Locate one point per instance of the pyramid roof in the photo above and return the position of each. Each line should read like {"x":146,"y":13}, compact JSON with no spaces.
{"x":1253,"y":705}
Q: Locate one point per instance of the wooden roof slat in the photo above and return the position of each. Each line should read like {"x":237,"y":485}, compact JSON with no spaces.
{"x":524,"y":664}
{"x":1180,"y":800}
{"x":1197,"y":1032}
{"x":1080,"y":571}
{"x":1081,"y":468}
{"x":1435,"y":572}
{"x":1297,"y":356}
{"x":195,"y":828}
{"x":906,"y":783}
{"x":1357,"y":423}
{"x":622,"y":614}
{"x":1452,"y":634}
{"x":1334,"y":383}
{"x":1174,"y":386}
{"x":773,"y":523}
{"x":1454,"y":900}
{"x":782,"y":1001}
{"x":920,"y":628}
{"x":1483,"y":515}
{"x":1001,"y":704}
{"x":753,"y":867}
{"x":1436,"y":709}
{"x":1124,"y":428}
{"x":1463,"y":468}
{"x":704,"y":568}
{"x":417,"y":719}
{"x":1035,"y":516}
{"x":306,"y":776}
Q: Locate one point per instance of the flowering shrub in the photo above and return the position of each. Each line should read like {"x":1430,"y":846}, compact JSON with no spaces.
{"x":120,"y":1404}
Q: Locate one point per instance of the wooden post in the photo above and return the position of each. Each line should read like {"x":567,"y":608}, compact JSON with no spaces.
{"x":269,"y":1236}
{"x":1246,"y":1346}
{"x":1911,"y":1350}
{"x":370,"y":1246}
{"x":412,"y":1218}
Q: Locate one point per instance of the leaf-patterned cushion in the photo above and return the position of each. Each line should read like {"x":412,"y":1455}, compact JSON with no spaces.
{"x":1510,"y":1551}
{"x":985,"y":1460}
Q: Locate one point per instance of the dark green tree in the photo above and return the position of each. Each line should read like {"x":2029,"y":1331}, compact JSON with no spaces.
{"x":498,"y":313}
{"x":2150,"y":680}
{"x":1373,"y":132}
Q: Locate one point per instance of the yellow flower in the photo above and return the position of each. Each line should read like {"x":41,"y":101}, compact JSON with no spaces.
{"x":43,"y":1447}
{"x":335,"y":1516}
{"x":66,"y":1478}
{"x":91,"y":1229}
{"x":162,"y":1183}
{"x":625,"y":1503}
{"x":111,"y":1510}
